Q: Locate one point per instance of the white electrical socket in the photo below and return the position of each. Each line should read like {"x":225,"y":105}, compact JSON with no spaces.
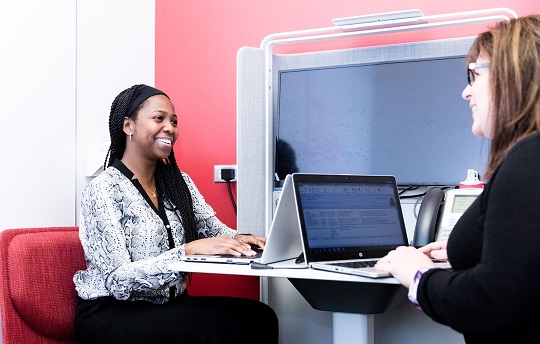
{"x":217,"y":173}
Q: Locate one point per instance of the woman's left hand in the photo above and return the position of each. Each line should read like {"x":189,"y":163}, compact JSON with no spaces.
{"x":403,"y":263}
{"x":251,"y":239}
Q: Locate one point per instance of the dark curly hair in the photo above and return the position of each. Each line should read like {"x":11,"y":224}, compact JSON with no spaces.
{"x":168,"y":175}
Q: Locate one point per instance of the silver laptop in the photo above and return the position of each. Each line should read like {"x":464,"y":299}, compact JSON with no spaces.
{"x":283,"y":244}
{"x":348,"y":221}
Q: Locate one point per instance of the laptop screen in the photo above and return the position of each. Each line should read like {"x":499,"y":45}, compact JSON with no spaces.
{"x":349,"y":216}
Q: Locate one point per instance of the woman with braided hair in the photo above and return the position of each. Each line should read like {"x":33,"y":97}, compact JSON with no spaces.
{"x":138,"y":216}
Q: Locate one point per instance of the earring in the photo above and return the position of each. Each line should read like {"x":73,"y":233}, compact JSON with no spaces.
{"x":130,"y":136}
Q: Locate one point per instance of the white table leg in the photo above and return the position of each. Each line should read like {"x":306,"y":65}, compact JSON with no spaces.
{"x":353,"y":328}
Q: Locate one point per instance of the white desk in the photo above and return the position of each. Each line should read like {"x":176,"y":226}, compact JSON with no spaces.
{"x":350,"y":298}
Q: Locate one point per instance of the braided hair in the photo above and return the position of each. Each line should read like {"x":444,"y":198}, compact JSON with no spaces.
{"x":168,"y":175}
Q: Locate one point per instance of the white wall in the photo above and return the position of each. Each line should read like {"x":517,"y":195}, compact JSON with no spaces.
{"x":62,"y":64}
{"x":37,"y":97}
{"x":115,"y":50}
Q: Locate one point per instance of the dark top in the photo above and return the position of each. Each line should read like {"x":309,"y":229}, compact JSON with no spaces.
{"x":493,"y":293}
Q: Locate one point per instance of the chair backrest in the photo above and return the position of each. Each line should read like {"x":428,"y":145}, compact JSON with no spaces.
{"x":38,"y":297}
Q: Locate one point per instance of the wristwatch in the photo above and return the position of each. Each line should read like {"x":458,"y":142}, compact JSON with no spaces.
{"x":413,"y":288}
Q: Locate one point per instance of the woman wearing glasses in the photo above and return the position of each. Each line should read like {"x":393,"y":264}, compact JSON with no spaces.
{"x":491,"y":293}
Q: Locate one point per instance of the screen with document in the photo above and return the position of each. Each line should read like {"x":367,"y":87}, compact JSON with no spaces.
{"x":337,"y":216}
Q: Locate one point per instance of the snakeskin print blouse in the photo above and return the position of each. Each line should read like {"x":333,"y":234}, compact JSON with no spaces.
{"x":125,"y":240}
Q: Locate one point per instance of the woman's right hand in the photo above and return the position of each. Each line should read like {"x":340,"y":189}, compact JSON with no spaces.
{"x":219,"y":245}
{"x":435,"y":250}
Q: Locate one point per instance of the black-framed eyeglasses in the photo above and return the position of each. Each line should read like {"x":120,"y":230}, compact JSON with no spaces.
{"x":471,"y":70}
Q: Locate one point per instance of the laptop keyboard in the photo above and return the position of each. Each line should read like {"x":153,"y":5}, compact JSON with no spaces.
{"x":357,"y":264}
{"x":258,"y":250}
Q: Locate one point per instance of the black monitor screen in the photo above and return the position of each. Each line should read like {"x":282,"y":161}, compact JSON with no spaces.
{"x":404,"y":118}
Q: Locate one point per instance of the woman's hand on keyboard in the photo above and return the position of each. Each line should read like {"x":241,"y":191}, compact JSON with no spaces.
{"x":403,"y":263}
{"x":435,"y":250}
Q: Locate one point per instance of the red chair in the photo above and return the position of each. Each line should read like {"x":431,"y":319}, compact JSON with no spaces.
{"x":38,"y":297}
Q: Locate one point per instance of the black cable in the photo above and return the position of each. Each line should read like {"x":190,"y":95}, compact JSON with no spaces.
{"x":422,"y":194}
{"x":231,"y":195}
{"x":228,"y":174}
{"x":404,"y":189}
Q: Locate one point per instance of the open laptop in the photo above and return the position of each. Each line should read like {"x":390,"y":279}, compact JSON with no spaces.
{"x":283,"y":244}
{"x":347,"y":220}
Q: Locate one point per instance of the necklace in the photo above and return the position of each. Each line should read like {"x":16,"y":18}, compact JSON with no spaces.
{"x":154,"y":193}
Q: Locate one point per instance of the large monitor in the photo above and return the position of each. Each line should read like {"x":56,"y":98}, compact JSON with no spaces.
{"x":394,"y":109}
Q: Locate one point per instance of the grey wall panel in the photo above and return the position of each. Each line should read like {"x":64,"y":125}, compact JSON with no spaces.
{"x":309,"y":324}
{"x":250,"y":121}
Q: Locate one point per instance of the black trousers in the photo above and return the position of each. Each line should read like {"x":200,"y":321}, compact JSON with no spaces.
{"x":188,"y":319}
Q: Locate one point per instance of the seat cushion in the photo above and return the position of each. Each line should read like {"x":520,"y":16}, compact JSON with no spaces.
{"x":41,"y":268}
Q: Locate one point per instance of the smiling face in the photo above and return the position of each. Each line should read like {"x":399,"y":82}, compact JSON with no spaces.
{"x":154,"y":130}
{"x":479,"y":96}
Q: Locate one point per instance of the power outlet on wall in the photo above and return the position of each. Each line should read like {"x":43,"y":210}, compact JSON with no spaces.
{"x":217,"y":173}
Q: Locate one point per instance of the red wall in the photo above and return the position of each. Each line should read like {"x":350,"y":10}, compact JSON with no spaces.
{"x":196,"y":46}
